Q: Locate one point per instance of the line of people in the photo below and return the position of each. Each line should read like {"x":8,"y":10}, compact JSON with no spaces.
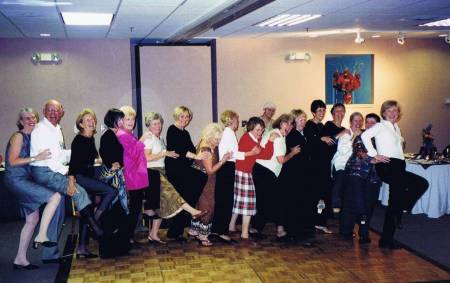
{"x":291,"y":171}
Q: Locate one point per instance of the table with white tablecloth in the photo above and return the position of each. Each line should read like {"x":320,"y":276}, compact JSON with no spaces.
{"x":435,"y":202}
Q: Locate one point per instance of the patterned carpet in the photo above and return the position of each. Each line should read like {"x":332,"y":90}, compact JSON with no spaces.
{"x":330,"y":259}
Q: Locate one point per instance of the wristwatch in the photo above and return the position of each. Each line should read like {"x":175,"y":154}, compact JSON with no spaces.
{"x":32,"y":159}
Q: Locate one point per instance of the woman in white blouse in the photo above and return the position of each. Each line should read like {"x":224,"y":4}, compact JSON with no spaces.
{"x":161,"y":198}
{"x":224,"y":194}
{"x":340,"y":158}
{"x":270,"y":195}
{"x":405,"y":188}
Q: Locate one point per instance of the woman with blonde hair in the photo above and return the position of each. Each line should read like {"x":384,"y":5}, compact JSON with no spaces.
{"x":161,"y":198}
{"x":83,"y":156}
{"x":405,"y":188}
{"x":29,"y":194}
{"x":187,"y":181}
{"x":135,"y":166}
{"x":210,"y":139}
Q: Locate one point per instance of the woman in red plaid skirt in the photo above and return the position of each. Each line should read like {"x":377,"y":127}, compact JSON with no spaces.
{"x":244,"y":189}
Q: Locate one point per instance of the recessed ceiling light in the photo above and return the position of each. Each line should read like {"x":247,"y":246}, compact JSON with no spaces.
{"x":287,"y":20}
{"x":87,"y":19}
{"x":441,"y":23}
{"x":39,"y":3}
{"x":44,"y":34}
{"x":376,"y":36}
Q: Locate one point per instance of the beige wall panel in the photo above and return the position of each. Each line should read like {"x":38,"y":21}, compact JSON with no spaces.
{"x":93,"y":73}
{"x":177,"y":75}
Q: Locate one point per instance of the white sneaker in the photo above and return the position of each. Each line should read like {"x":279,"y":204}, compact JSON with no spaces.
{"x":323,"y":229}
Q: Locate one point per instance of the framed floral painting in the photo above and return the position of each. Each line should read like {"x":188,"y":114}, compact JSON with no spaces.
{"x":349,"y":79}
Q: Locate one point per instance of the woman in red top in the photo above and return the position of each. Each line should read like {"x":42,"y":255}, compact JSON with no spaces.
{"x":244,"y":189}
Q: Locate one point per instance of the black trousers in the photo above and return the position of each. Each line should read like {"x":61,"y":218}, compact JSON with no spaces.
{"x":189,"y":184}
{"x":298,"y":209}
{"x":153,"y":191}
{"x":224,"y":198}
{"x":405,"y":188}
{"x":266,"y":196}
{"x":322,"y":185}
{"x":136,"y":198}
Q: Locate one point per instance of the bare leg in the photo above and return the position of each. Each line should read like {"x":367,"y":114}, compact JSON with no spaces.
{"x":47,"y":216}
{"x":190,"y":209}
{"x":153,"y":232}
{"x":245,"y":226}
{"x":31,"y":221}
{"x":232,"y":225}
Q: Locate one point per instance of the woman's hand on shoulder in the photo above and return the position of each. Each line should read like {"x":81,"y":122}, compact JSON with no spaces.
{"x":273,"y":136}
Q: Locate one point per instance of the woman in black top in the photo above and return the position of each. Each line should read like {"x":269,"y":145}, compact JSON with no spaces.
{"x":188,"y":181}
{"x":334,"y":130}
{"x":299,"y":212}
{"x":318,"y":145}
{"x":82,"y":159}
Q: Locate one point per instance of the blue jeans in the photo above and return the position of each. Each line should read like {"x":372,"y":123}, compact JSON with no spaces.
{"x":59,"y":183}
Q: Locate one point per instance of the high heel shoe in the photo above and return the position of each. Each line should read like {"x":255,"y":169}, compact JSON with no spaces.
{"x":200,"y":214}
{"x":155,"y":241}
{"x":26,"y":267}
{"x":46,"y":244}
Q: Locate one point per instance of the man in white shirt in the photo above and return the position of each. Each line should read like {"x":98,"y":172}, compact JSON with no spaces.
{"x":52,"y":173}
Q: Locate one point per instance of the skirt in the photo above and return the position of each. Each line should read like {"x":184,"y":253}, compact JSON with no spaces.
{"x":170,"y":200}
{"x":244,"y":194}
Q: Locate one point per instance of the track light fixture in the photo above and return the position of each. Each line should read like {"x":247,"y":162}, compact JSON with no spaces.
{"x":359,"y":39}
{"x":401,"y":39}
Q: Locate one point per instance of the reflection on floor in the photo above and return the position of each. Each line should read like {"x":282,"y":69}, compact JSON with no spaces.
{"x":331,"y":259}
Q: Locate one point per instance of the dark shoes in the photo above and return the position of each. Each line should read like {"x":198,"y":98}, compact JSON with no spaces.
{"x":283,"y":239}
{"x":389,"y":244}
{"x":218,"y":239}
{"x":25,"y":267}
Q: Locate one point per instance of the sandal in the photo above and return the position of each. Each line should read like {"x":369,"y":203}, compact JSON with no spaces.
{"x":155,"y":241}
{"x":204,"y":242}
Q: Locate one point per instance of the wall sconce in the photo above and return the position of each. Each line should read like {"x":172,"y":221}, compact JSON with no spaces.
{"x":296,"y":56}
{"x":46,"y":58}
{"x":401,"y":38}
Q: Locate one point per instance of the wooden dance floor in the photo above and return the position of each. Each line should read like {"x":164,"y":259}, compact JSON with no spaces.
{"x":329,"y":260}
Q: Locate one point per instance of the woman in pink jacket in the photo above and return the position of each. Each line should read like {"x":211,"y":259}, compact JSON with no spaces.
{"x":135,"y":166}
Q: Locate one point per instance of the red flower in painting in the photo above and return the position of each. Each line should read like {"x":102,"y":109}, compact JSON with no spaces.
{"x":346,"y":82}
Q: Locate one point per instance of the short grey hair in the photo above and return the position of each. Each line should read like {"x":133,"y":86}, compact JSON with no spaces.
{"x":152,"y":116}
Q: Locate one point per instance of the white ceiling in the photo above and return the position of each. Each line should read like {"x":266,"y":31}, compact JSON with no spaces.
{"x":161,"y":19}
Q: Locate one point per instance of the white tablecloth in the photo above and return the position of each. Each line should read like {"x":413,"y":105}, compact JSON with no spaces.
{"x":435,"y":202}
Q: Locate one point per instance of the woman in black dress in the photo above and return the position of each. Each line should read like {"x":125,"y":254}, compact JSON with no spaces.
{"x":298,"y":214}
{"x":188,"y":181}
